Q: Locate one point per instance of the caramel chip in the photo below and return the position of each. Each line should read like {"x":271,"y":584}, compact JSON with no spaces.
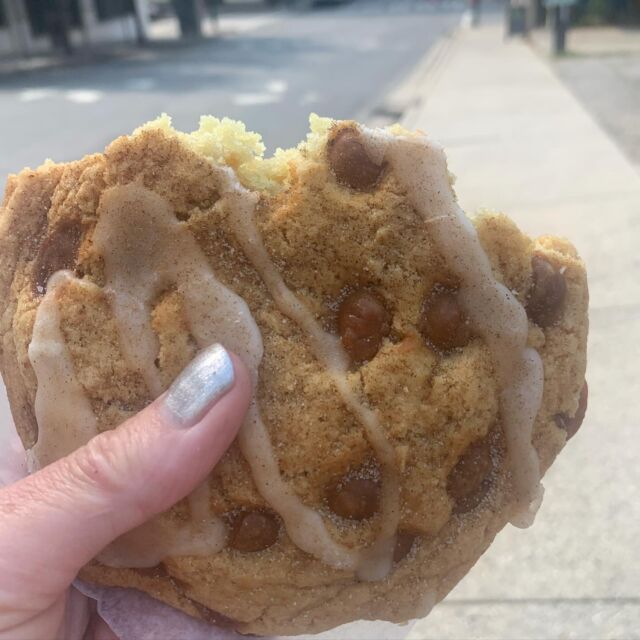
{"x":548,"y":291}
{"x":404,"y":544}
{"x":254,"y":531}
{"x":58,"y":251}
{"x":569,"y":424}
{"x":442,"y":322}
{"x":350,"y":162}
{"x":363,"y":322}
{"x":354,"y":498}
{"x":470,"y":480}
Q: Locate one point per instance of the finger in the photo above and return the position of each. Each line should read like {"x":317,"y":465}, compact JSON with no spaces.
{"x":55,"y":521}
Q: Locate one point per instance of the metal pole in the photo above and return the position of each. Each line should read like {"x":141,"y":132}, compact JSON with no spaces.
{"x":19,"y":30}
{"x":189,"y":18}
{"x":560,"y":25}
{"x":140,"y":19}
{"x":58,"y":24}
{"x":475,"y":12}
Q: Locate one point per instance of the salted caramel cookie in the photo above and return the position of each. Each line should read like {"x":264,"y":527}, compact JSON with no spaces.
{"x":415,"y":371}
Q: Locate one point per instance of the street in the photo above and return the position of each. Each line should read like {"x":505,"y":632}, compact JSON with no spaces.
{"x":337,"y":61}
{"x":610,"y":88}
{"x":602,"y":70}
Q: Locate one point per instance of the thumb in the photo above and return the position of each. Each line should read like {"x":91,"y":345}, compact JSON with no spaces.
{"x":53,"y":522}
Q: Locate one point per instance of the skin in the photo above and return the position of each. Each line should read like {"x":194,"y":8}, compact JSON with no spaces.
{"x":56,"y":520}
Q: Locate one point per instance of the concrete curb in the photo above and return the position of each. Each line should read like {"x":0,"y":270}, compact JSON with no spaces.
{"x":427,"y":76}
{"x":404,"y":102}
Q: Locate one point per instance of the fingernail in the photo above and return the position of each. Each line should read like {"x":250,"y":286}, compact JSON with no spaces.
{"x":202,"y":383}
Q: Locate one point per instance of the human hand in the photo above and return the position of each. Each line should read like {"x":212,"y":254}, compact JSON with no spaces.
{"x":56,"y":520}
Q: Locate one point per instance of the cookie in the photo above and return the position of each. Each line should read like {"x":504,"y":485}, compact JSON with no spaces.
{"x":416,"y":372}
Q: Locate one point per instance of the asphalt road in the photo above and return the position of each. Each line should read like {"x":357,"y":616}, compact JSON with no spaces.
{"x":609,"y":88}
{"x":338,"y":61}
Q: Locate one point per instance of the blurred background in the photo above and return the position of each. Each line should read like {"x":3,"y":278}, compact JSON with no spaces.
{"x":538,"y":105}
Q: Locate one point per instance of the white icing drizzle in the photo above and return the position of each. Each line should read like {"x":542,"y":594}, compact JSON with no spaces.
{"x":64,"y":414}
{"x":304,"y":525}
{"x":495,"y":313}
{"x":146,"y":250}
{"x":374,"y":563}
{"x":66,"y":421}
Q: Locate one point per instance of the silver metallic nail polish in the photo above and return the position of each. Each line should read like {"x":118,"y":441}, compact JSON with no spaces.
{"x":204,"y":381}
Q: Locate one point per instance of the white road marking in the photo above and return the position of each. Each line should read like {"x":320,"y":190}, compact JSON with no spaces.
{"x":168,"y":27}
{"x":250,"y":99}
{"x":277,"y":86}
{"x":242,"y":24}
{"x":84,"y":96}
{"x":31,"y":95}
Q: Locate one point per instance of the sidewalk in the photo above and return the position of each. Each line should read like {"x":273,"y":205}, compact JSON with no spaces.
{"x":519,"y":142}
